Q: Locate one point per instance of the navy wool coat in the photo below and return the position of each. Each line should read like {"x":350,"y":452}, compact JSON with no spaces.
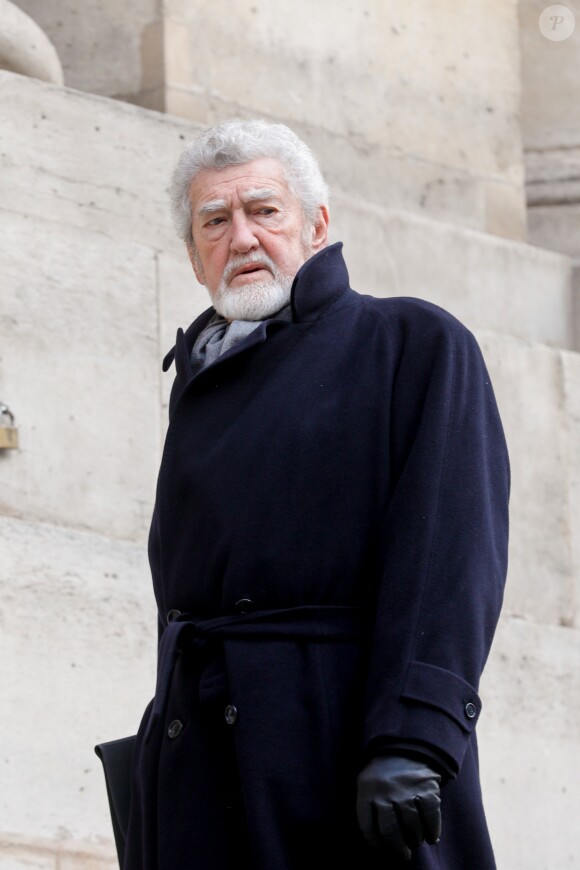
{"x":328,"y":551}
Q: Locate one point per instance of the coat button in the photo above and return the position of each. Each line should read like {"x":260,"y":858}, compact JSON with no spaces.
{"x":230,"y":714}
{"x":244,"y":605}
{"x":173,"y":614}
{"x":470,"y":710}
{"x":175,"y":729}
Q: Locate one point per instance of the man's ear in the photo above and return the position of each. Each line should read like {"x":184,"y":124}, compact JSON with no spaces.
{"x":320,"y":228}
{"x":195,"y":262}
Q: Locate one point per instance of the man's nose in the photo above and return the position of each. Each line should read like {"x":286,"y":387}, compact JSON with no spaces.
{"x":243,"y":236}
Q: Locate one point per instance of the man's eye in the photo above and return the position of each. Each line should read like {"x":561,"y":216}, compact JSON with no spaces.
{"x":267,"y":211}
{"x":214,"y":222}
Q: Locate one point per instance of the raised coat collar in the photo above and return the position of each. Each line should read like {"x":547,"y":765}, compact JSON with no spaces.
{"x":318,"y":283}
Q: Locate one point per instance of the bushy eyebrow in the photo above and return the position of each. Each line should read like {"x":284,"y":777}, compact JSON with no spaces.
{"x":256,"y":194}
{"x":210,"y":207}
{"x":259,"y":193}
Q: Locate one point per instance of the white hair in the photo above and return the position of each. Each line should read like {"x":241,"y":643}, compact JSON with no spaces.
{"x":235,"y":142}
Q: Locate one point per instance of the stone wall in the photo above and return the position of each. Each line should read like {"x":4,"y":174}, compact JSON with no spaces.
{"x":551,"y":127}
{"x":106,"y":47}
{"x":358,"y":80}
{"x":89,"y":271}
{"x":551,"y":132}
{"x":94,"y":285}
{"x":25,"y":48}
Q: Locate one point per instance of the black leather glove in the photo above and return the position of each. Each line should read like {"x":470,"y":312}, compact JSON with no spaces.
{"x":399,"y":804}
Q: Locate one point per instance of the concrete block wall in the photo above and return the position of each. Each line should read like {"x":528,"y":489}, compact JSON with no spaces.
{"x":529,"y":739}
{"x":78,"y":653}
{"x":488,"y":282}
{"x":87,"y":272}
{"x":94,"y":285}
{"x":25,"y":48}
{"x":467,"y":170}
{"x":108,"y":48}
{"x":549,"y":78}
{"x":551,"y":131}
{"x":340,"y":74}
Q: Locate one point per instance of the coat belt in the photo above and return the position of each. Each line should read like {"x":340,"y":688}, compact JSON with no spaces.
{"x":316,"y":622}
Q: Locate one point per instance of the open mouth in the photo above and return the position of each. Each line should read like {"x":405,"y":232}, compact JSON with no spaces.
{"x":250,"y":269}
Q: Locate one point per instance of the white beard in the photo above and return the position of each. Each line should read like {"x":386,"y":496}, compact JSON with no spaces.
{"x":261,"y":299}
{"x":254,"y":301}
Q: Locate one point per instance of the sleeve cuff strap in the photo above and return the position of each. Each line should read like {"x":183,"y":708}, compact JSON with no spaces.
{"x":444,"y":690}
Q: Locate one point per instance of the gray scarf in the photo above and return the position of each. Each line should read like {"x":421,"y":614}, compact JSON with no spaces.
{"x":220,"y":335}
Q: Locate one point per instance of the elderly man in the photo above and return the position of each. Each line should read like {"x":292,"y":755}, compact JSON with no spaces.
{"x":328,"y":548}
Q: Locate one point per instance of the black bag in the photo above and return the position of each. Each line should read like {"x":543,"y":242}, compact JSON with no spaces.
{"x":117,"y":756}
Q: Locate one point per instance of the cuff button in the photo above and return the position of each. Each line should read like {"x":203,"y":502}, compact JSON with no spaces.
{"x":470,"y":710}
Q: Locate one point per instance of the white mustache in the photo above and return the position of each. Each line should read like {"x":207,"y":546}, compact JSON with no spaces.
{"x":247,"y":260}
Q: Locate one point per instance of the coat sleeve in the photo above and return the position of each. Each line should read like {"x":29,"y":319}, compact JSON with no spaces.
{"x":442,"y":554}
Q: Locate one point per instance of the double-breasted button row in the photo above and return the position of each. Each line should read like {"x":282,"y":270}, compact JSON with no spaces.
{"x":230,"y":714}
{"x":175,"y":729}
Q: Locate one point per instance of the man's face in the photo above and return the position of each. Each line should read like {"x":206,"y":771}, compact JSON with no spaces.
{"x":250,"y":237}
